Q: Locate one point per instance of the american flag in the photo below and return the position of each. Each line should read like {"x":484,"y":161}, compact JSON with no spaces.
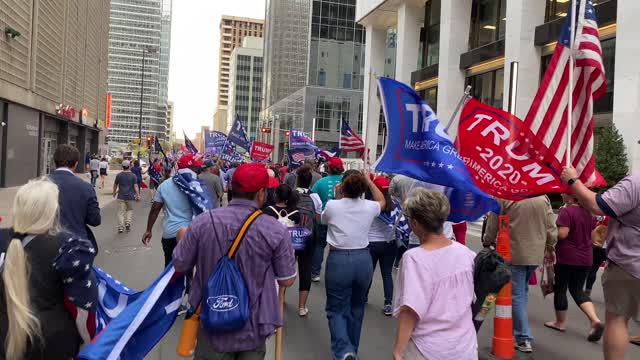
{"x":73,"y":263}
{"x":349,"y":141}
{"x":546,"y":135}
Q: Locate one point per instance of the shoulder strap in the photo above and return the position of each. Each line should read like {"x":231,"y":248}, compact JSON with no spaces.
{"x":243,"y":232}
{"x":289,"y":214}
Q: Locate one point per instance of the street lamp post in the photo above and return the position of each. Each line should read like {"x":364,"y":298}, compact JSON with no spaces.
{"x":145,"y":50}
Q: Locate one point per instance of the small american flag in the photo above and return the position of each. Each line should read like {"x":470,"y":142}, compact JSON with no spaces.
{"x":298,"y":157}
{"x":349,"y":141}
{"x":546,"y":136}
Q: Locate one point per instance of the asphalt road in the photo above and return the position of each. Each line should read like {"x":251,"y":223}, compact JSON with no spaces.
{"x":124,"y":257}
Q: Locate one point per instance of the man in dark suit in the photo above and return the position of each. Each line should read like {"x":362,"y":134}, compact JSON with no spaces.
{"x":78,"y":202}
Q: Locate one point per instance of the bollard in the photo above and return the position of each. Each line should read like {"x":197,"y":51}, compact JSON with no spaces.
{"x":503,"y":342}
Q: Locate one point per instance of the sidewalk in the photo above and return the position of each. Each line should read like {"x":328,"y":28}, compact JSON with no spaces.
{"x":105,"y":196}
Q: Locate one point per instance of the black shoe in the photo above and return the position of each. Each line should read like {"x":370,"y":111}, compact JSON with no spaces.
{"x":120,"y":230}
{"x":127,"y":228}
{"x":349,"y":357}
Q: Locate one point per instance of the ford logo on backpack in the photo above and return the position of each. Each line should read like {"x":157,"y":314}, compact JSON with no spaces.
{"x":226,"y":294}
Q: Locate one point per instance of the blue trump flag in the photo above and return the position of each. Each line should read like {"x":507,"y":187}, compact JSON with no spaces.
{"x":130,"y":323}
{"x":299,"y":139}
{"x":419,"y":147}
{"x":238,"y":135}
{"x":189,"y":145}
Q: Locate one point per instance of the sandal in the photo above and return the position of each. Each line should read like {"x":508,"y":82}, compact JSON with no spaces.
{"x":635,"y":340}
{"x":596,"y":333}
{"x":551,"y":325}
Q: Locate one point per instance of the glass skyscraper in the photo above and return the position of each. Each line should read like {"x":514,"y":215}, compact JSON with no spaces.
{"x":138,"y":26}
{"x":314,"y":68}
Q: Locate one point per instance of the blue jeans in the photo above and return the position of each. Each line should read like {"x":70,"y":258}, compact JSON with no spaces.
{"x":347,"y":278}
{"x":318,"y":254}
{"x":520,"y":275}
{"x":385,"y":253}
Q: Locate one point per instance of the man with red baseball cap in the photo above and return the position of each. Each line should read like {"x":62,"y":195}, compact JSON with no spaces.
{"x":180,"y":202}
{"x":264,"y":256}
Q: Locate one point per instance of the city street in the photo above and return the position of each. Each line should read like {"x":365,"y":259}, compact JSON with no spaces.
{"x":124,"y":257}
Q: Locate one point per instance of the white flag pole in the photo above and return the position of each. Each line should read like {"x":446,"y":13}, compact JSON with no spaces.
{"x":313,"y":130}
{"x":463,"y":99}
{"x":340,"y":134}
{"x":571,"y":65}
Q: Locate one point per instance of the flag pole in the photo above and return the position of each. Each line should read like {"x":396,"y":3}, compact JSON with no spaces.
{"x":513,"y":87}
{"x":313,"y":130}
{"x":465,"y":96}
{"x":340,"y":134}
{"x":570,"y":102}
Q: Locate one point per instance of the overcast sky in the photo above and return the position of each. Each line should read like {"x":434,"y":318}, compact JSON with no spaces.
{"x":193,"y":72}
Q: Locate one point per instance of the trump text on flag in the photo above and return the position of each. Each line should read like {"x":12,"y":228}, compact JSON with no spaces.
{"x":489,"y":145}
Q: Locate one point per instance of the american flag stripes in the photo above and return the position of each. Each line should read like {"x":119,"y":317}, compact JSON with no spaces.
{"x":349,"y":141}
{"x":547,"y":120}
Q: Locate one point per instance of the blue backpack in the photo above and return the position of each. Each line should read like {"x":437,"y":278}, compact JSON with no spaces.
{"x":225,"y":298}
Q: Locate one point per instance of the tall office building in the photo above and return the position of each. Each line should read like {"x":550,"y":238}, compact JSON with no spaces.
{"x":233,"y":30}
{"x":443,"y":46}
{"x":245,"y":85}
{"x":140,"y":29}
{"x":314,"y":68}
{"x":170,"y":135}
{"x":53,"y":83}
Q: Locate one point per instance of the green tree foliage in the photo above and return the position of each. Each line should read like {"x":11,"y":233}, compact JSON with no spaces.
{"x":611,"y":156}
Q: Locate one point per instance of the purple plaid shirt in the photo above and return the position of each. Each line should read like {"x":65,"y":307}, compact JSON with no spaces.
{"x":264,"y":256}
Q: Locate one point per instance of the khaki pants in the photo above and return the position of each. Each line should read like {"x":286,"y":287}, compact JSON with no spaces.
{"x":125,"y":213}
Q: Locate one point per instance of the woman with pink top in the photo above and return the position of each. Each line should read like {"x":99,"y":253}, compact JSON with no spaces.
{"x":434,"y":287}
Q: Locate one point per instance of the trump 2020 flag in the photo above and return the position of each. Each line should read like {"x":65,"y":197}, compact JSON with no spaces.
{"x":299,"y":139}
{"x":238,"y":135}
{"x":419,"y":147}
{"x":131,"y":323}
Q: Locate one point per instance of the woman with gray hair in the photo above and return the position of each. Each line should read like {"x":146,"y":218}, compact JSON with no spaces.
{"x":33,"y":318}
{"x":434,"y":287}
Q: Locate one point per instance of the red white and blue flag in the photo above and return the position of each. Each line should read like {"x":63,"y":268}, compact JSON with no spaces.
{"x":349,"y":141}
{"x":546,"y":124}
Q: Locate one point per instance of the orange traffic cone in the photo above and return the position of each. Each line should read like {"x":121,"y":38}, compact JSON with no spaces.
{"x":503,"y":342}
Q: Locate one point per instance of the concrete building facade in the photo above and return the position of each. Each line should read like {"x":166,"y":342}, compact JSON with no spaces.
{"x":140,"y":30}
{"x":314,"y":68}
{"x":233,"y":30}
{"x":245,"y":85}
{"x":442,"y":46}
{"x":170,"y":136}
{"x":53,"y":82}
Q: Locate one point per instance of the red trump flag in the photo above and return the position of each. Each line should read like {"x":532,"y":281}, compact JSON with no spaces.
{"x":489,"y":142}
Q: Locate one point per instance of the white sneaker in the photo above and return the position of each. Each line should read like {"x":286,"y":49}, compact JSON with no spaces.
{"x":315,"y":278}
{"x":302,"y":312}
{"x":524,"y":346}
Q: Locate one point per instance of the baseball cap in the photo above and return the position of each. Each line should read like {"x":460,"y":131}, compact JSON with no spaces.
{"x":382,"y":183}
{"x":336,"y":162}
{"x":250,"y":178}
{"x":188,"y":160}
{"x":126,"y":164}
{"x":209,"y":163}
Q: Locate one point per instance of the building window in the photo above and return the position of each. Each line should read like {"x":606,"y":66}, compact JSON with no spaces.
{"x":322,"y":78}
{"x":431,"y":34}
{"x":557,"y":9}
{"x":430,"y":96}
{"x":488,"y":22}
{"x":488,"y":87}
{"x":323,"y":114}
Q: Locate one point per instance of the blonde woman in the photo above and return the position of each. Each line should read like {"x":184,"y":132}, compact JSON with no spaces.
{"x":34,"y":322}
{"x":434,"y":287}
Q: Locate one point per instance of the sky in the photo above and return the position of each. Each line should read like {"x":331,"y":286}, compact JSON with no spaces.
{"x":193,"y":70}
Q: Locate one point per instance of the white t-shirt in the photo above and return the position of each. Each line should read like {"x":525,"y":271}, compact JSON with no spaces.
{"x":379,"y":231}
{"x":349,"y":221}
{"x":104,"y":165}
